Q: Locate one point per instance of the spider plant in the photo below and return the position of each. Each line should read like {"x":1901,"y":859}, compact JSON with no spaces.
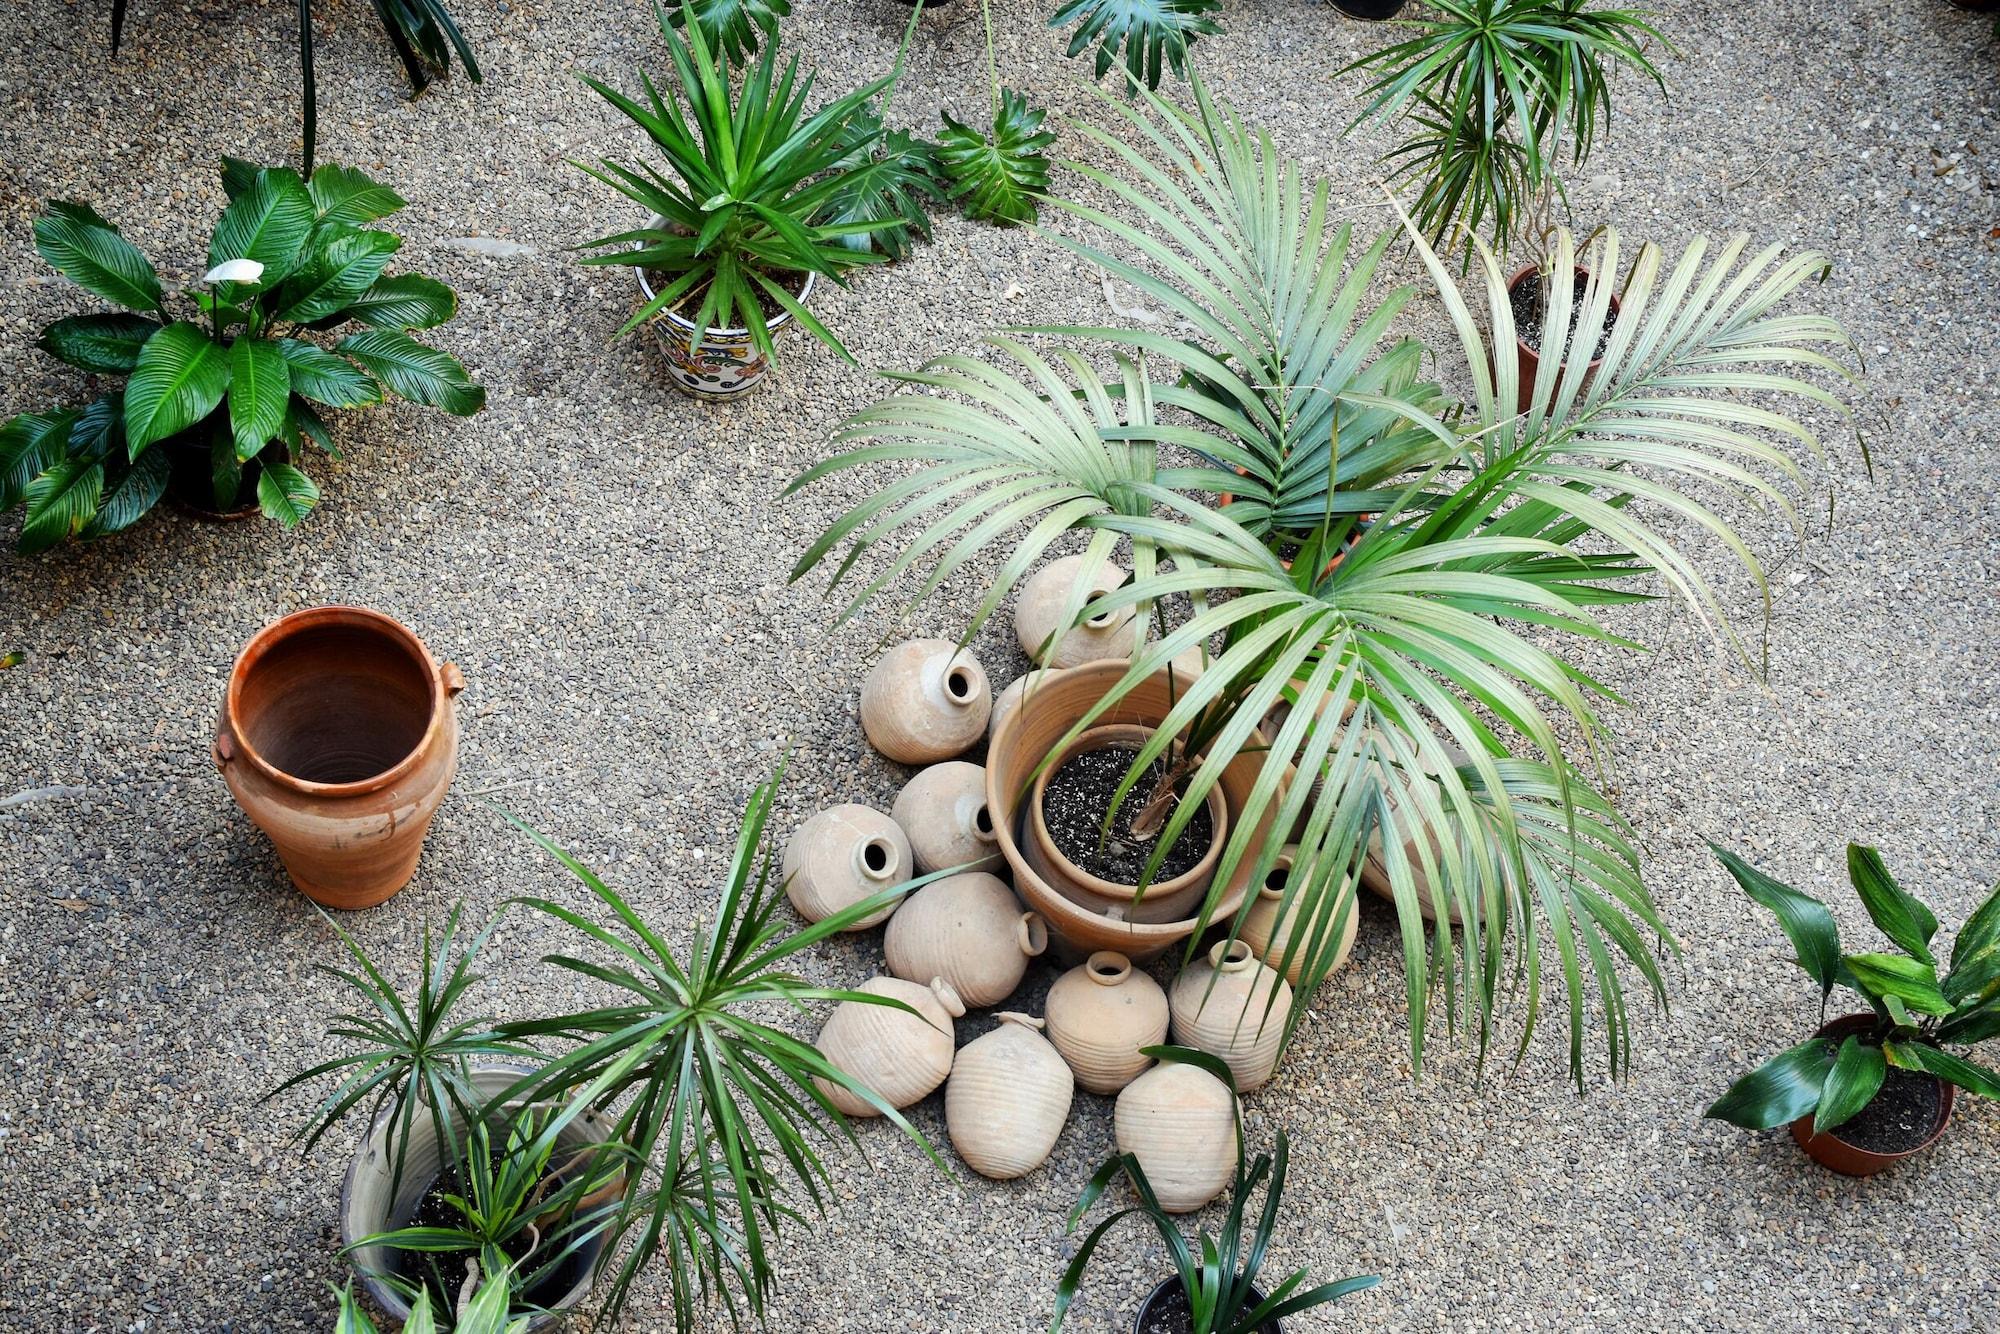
{"x":1506,"y":527}
{"x":484,"y":1308}
{"x":1149,"y":31}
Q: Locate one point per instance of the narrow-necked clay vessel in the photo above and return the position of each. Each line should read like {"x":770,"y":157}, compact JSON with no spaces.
{"x":1010,"y":699}
{"x":1038,"y":610}
{"x":943,"y":813}
{"x":1270,"y":934}
{"x":1007,"y":1099}
{"x":1179,"y":1121}
{"x":1375,"y":870}
{"x":1224,"y":1005}
{"x":338,"y":739}
{"x":969,"y":930}
{"x":1100,"y":1014}
{"x":899,"y":1055}
{"x":926,"y":700}
{"x":842,"y":856}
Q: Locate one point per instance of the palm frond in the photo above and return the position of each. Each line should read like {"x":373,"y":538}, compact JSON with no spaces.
{"x":1150,"y":31}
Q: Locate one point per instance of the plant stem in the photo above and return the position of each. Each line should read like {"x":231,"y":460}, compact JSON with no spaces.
{"x":896,"y":75}
{"x":992,"y":67}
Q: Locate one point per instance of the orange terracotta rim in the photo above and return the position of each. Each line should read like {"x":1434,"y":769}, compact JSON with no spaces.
{"x":1535,"y":353}
{"x":313,"y":618}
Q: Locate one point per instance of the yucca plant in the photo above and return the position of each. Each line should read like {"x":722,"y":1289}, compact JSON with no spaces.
{"x":1522,"y":512}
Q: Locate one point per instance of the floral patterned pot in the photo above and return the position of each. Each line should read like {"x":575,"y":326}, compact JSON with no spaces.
{"x":727,"y":363}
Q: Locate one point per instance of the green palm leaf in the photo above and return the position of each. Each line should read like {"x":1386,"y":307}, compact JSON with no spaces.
{"x":732,"y":25}
{"x":1147,"y":29}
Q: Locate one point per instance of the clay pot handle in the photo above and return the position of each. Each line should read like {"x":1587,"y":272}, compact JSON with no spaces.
{"x":1024,"y":1020}
{"x":224,"y":749}
{"x":1107,"y":968}
{"x":948,"y":997}
{"x":1032,"y":934}
{"x":453,"y":679}
{"x":1231,"y":956}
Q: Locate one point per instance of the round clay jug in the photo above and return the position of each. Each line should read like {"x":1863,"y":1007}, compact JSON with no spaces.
{"x":1375,"y":869}
{"x":968,"y":929}
{"x":926,"y":700}
{"x":1179,"y":1121}
{"x":1038,"y":611}
{"x":338,"y":739}
{"x":1010,"y":699}
{"x":943,"y":813}
{"x":1100,"y":1014}
{"x":1224,"y":1005}
{"x":900,"y":1056}
{"x":842,"y":856}
{"x":1007,"y":1099}
{"x":1271,"y":934}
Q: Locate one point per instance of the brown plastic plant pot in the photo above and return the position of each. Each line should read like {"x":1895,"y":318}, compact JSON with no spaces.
{"x":1528,"y":360}
{"x":338,"y":739}
{"x":1159,"y":1295}
{"x":1831,"y":1151}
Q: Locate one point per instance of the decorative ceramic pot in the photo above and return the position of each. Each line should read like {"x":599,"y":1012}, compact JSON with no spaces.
{"x":1164,"y":900}
{"x":1100,"y":1014}
{"x":337,"y":738}
{"x":842,"y":856}
{"x":901,"y":1056}
{"x":1038,"y":612}
{"x":1026,"y":739}
{"x":1231,"y":1006}
{"x":1179,"y":1121}
{"x":969,"y":930}
{"x":1830,"y":1150}
{"x":1528,"y":360}
{"x":727,"y":363}
{"x":927,"y":700}
{"x":943,"y":813}
{"x":369,"y":1205}
{"x":1007,"y":1099}
{"x":1271,"y":935}
{"x":1010,"y":699}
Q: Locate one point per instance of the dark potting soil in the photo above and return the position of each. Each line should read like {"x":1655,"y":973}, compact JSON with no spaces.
{"x":1526,"y":298}
{"x":1900,"y":1116}
{"x":1168,"y":1313}
{"x":1073,"y":805}
{"x":443,"y":1272}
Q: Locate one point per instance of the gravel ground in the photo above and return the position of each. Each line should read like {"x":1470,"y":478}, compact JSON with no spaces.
{"x":607,"y":560}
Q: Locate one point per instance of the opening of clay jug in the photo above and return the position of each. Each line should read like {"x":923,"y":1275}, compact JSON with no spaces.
{"x":1108,"y":966}
{"x":1277,"y":878}
{"x":335,"y":702}
{"x":982,"y":821}
{"x":1102,"y":620}
{"x":877,"y":857}
{"x":958,"y":683}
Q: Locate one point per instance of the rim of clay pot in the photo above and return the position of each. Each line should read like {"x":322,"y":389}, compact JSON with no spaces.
{"x":441,"y":680}
{"x":877,"y":843}
{"x":1102,"y":738}
{"x":1535,"y":353}
{"x":1276,"y":893}
{"x":948,"y":997}
{"x":1231,"y":956}
{"x":1168,"y":1285}
{"x":1829,"y":1150}
{"x":1107,"y":968}
{"x":686,"y":325}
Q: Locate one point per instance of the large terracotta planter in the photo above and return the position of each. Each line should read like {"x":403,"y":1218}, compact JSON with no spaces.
{"x":1026,"y":738}
{"x":337,"y":738}
{"x":1831,"y":1151}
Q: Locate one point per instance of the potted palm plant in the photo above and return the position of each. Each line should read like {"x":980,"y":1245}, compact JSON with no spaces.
{"x":1868,"y":1090}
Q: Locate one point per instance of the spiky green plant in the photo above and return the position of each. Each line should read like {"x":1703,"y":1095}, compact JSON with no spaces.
{"x":1152,"y":32}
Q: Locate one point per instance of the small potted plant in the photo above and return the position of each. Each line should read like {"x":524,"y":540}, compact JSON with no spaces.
{"x":224,"y":385}
{"x":1871,"y":1089}
{"x":1214,"y":1286}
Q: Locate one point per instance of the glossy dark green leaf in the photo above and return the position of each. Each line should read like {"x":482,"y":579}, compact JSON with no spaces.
{"x":341,"y":263}
{"x":344,"y":195}
{"x":59,"y":503}
{"x":91,"y":253}
{"x":260,"y":384}
{"x":225,"y":472}
{"x":404,"y":301}
{"x":1895,"y":912}
{"x":1981,"y":930}
{"x":1910,"y":981}
{"x":304,"y":426}
{"x":238,"y":175}
{"x":1976,"y":1023}
{"x":131,"y":494}
{"x":319,"y":375}
{"x":267,"y":223}
{"x":108,"y":344}
{"x":1805,"y":920}
{"x":1851,"y":1083}
{"x":30,"y":445}
{"x":1971,"y":1077}
{"x":285,"y":494}
{"x":1780,"y":1091}
{"x":997,"y":177}
{"x":887,"y":180}
{"x":416,"y":372}
{"x":99,"y":429}
{"x":180,"y":378}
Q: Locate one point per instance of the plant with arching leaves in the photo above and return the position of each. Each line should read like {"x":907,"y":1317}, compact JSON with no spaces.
{"x":1152,"y":32}
{"x":228,"y":388}
{"x":1916,"y":1010}
{"x":485,"y":1307}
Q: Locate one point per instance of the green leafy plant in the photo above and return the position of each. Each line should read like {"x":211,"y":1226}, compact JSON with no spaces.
{"x":1916,"y":1010}
{"x":1218,"y":1275}
{"x":1149,"y":30}
{"x":731,"y":26}
{"x":485,"y":1310}
{"x":235,"y":377}
{"x":1504,"y":525}
{"x":997,"y":176}
{"x":907,"y":178}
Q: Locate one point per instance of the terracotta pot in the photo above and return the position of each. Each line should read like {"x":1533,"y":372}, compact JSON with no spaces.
{"x":942,"y":811}
{"x":927,"y":700}
{"x":1179,"y":1121}
{"x":1007,"y":1099}
{"x":1528,"y":360}
{"x":727,"y":364}
{"x":337,"y":738}
{"x":1230,"y":1005}
{"x":1021,"y":745}
{"x":368,"y":1204}
{"x":1038,"y":616}
{"x":842,"y":856}
{"x":1375,"y":869}
{"x":1271,"y":934}
{"x":1159,"y":1301}
{"x":1010,"y":699}
{"x":1100,"y":1014}
{"x":1829,"y":1150}
{"x":901,"y":1056}
{"x":969,"y":930}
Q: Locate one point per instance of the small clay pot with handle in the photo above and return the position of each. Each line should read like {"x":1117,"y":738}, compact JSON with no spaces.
{"x":1830,"y":1150}
{"x":338,"y":739}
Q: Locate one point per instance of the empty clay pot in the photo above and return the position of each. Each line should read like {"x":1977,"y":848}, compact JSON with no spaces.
{"x":1179,"y":1121}
{"x":1100,"y":1014}
{"x":337,"y":738}
{"x":1007,"y":1099}
{"x":926,"y":700}
{"x":1010,"y":699}
{"x":1038,"y":612}
{"x":842,"y":856}
{"x":898,"y":1055}
{"x":1271,"y":935}
{"x":969,"y":930}
{"x":943,"y":813}
{"x":1231,"y":1006}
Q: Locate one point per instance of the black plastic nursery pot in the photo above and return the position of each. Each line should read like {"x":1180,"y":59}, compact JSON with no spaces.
{"x":1831,"y":1151}
{"x":1165,"y":1311}
{"x":191,"y":489}
{"x":1374,"y":11}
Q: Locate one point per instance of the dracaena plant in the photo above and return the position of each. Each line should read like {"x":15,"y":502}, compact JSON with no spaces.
{"x":233,"y":371}
{"x":484,"y":1306}
{"x":1918,"y":1010}
{"x":1217,"y":1274}
{"x":1505,"y":526}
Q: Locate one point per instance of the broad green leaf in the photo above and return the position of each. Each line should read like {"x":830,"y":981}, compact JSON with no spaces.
{"x":1898,"y":975}
{"x":997,"y":177}
{"x":1975,"y":978}
{"x":225,"y":473}
{"x":30,"y":445}
{"x":1981,"y":930}
{"x":129,"y":496}
{"x":238,"y":175}
{"x":1780,"y":1091}
{"x":1857,"y":1073}
{"x":108,"y":344}
{"x":339,"y":266}
{"x":1895,"y":912}
{"x":344,"y":195}
{"x":319,"y":375}
{"x":421,"y":374}
{"x":1968,"y":1026}
{"x":1805,"y":920}
{"x":732,"y":25}
{"x":99,"y":429}
{"x":404,"y":301}
{"x":303,"y":426}
{"x":181,"y":377}
{"x":91,"y":253}
{"x":1971,"y":1077}
{"x":59,"y":503}
{"x":267,"y":223}
{"x":285,"y":493}
{"x":259,"y":387}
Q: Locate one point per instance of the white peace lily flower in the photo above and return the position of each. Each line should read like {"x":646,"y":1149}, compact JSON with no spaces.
{"x":235,"y":271}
